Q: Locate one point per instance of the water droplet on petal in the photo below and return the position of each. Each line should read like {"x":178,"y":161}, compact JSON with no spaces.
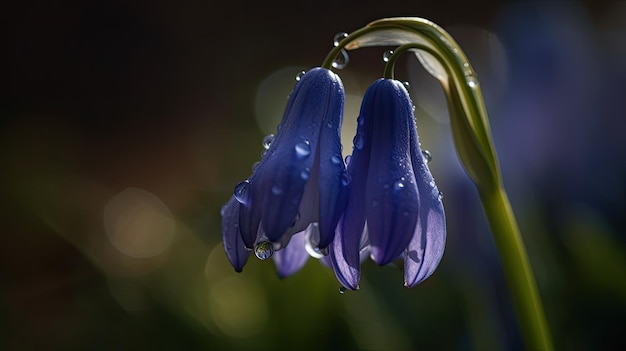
{"x":305,"y":173}
{"x":440,"y":196}
{"x":432,"y":183}
{"x":277,"y":190}
{"x":387,"y":55}
{"x":339,"y":37}
{"x":267,"y":141}
{"x":358,"y":141}
{"x":241,"y":191}
{"x":348,"y":159}
{"x":311,"y":242}
{"x":359,"y":120}
{"x":341,"y":61}
{"x":345,"y":180}
{"x":264,"y":250}
{"x":336,"y":159}
{"x":303,"y":149}
{"x":398,"y":185}
{"x":255,"y":165}
{"x":427,"y":156}
{"x":299,"y":75}
{"x":342,"y":290}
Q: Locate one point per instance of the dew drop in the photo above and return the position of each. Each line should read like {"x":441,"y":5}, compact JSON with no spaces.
{"x":311,"y":242}
{"x":299,"y":75}
{"x":358,"y":141}
{"x":329,"y":125}
{"x":277,"y":190}
{"x":241,"y":191}
{"x":427,"y":156}
{"x":407,"y":85}
{"x":432,"y":183}
{"x":255,"y":165}
{"x":267,"y":141}
{"x":342,"y":290}
{"x":264,"y":250}
{"x":336,"y":159}
{"x":303,"y":149}
{"x":339,"y":37}
{"x":313,"y":251}
{"x":471,"y":81}
{"x":387,"y":55}
{"x":305,"y":173}
{"x":344,"y":180}
{"x":341,"y":61}
{"x":398,"y":185}
{"x":348,"y":159}
{"x":440,"y":196}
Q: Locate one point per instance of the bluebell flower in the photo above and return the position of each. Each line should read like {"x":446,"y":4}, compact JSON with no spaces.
{"x":299,"y":183}
{"x":394,"y":208}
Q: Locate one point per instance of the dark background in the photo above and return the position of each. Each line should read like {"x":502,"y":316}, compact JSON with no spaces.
{"x":115,"y":104}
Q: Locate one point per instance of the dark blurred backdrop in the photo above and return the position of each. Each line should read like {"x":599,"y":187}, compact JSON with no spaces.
{"x":126,"y":125}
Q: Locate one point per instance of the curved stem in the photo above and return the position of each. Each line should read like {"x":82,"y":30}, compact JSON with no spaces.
{"x":334,"y":52}
{"x":391,"y":63}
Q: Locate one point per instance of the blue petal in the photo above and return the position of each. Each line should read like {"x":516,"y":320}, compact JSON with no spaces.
{"x":292,"y":257}
{"x":231,"y":237}
{"x":249,"y":220}
{"x":344,"y":257}
{"x":333,"y":179}
{"x":427,"y":245}
{"x":345,"y":250}
{"x":392,"y":196}
{"x":278,"y":183}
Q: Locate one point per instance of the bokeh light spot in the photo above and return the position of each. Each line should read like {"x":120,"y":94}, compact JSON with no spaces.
{"x":138,"y":224}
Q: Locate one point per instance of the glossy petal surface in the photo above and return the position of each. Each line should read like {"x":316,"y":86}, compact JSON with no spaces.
{"x":394,"y":209}
{"x":301,"y":178}
{"x":392,"y":197}
{"x":427,"y":246}
{"x":231,"y":237}
{"x":292,"y":257}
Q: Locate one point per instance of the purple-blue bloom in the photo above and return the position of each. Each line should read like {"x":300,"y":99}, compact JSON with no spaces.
{"x":394,"y":208}
{"x":301,"y":180}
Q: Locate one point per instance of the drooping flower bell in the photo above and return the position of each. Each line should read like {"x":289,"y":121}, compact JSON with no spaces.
{"x":299,"y":184}
{"x":394,"y":208}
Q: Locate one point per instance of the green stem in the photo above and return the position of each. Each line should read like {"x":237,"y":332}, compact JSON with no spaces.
{"x":391,"y":63}
{"x":516,"y":266}
{"x":334,"y":52}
